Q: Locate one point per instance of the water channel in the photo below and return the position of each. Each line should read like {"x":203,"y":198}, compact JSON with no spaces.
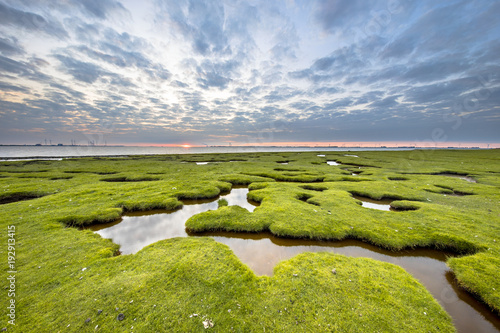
{"x":262,"y":251}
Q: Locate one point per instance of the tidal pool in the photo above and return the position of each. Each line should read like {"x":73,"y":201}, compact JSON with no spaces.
{"x":384,"y":204}
{"x":463,"y":177}
{"x":262,"y":251}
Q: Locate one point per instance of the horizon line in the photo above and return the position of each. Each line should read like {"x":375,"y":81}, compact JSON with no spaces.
{"x":307,"y":144}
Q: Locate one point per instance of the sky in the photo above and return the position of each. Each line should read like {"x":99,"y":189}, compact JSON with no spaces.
{"x":246,"y":72}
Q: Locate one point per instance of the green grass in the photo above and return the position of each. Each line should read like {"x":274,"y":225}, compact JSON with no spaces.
{"x":65,"y":275}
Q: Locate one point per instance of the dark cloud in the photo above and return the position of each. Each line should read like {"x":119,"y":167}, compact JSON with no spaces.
{"x":25,"y":69}
{"x":217,"y":74}
{"x":201,"y":22}
{"x":353,"y":16}
{"x":12,"y":66}
{"x":339,"y":104}
{"x":81,"y":71}
{"x":10,"y":16}
{"x":11,"y":87}
{"x":282,"y":93}
{"x":122,"y":58}
{"x":10,"y":46}
{"x":213,"y":79}
{"x":385,"y":103}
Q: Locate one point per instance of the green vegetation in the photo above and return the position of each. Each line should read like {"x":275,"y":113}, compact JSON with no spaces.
{"x":222,"y":203}
{"x":65,"y":275}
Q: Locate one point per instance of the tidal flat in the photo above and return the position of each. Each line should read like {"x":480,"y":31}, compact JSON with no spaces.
{"x":70,"y":278}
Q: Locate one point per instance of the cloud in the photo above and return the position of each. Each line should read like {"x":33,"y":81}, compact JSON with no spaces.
{"x":320,"y":70}
{"x":101,"y":8}
{"x":10,"y":46}
{"x":385,"y":103}
{"x":200,"y":22}
{"x":17,"y":67}
{"x":81,"y":71}
{"x":10,"y":16}
{"x":10,"y":87}
{"x":444,"y":28}
{"x":217,"y":73}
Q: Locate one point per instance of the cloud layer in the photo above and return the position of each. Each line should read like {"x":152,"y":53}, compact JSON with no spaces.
{"x":209,"y":72}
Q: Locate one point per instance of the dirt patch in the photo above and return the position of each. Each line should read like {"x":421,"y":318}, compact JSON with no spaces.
{"x":128,"y":180}
{"x":314,"y":188}
{"x":15,"y":197}
{"x":397,"y":178}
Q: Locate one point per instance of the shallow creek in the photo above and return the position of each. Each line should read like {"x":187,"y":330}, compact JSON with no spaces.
{"x":262,"y":251}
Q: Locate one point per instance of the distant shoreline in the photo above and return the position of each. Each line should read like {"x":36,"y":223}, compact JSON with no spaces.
{"x":30,"y":152}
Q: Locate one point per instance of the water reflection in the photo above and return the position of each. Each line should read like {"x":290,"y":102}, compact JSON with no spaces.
{"x":463,"y":177}
{"x":384,"y":204}
{"x":262,"y":251}
{"x":137,"y":230}
{"x":332,"y":163}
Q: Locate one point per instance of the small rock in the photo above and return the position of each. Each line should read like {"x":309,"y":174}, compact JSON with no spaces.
{"x":334,"y":271}
{"x":4,"y":329}
{"x":120,"y":317}
{"x":99,"y":312}
{"x":207,"y":323}
{"x":87,"y":320}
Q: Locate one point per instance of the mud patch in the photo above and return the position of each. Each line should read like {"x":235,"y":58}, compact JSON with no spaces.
{"x":314,"y":188}
{"x":15,"y":197}
{"x":128,"y":180}
{"x":397,"y":178}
